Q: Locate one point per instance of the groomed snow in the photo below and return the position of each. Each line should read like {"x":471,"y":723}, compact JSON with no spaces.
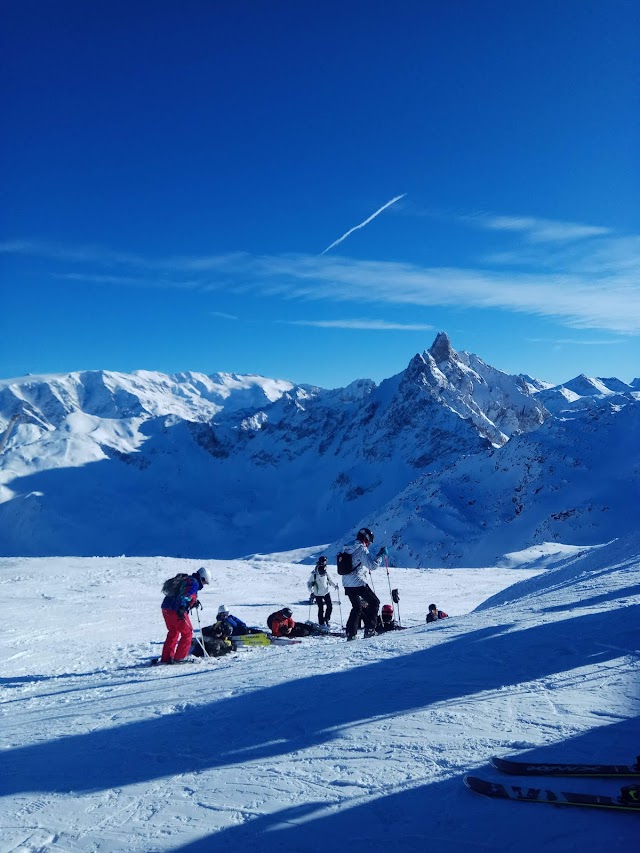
{"x":321,"y":746}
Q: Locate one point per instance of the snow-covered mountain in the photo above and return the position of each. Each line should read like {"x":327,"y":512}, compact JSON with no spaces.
{"x":586,"y":392}
{"x":48,"y":400}
{"x":104,"y":463}
{"x":574,"y":480}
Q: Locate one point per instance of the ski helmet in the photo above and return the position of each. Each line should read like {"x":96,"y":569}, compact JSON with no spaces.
{"x":204,"y":574}
{"x":365,"y":535}
{"x":286,"y":611}
{"x":387,"y":612}
{"x":322,"y":561}
{"x":223,"y":610}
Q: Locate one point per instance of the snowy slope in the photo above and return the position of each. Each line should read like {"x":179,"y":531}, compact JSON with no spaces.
{"x":324,"y":745}
{"x":575,"y":480}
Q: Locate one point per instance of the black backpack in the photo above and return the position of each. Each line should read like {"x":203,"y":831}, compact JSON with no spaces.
{"x":270,"y":620}
{"x":345,"y":563}
{"x":173,"y":586}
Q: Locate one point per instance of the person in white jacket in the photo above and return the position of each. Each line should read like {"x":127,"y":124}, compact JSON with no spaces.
{"x":356,"y":585}
{"x":319,"y":582}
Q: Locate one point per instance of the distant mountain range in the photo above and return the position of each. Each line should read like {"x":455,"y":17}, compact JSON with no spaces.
{"x":452,"y":461}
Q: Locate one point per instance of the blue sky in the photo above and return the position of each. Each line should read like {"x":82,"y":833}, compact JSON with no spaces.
{"x":173,"y":172}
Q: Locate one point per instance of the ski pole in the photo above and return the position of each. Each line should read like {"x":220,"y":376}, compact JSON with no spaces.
{"x":201,"y":638}
{"x":386,"y":563}
{"x":340,"y":607}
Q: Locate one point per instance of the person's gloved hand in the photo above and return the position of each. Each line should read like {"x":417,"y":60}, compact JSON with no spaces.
{"x":383,"y":552}
{"x":196,"y":605}
{"x":312,"y":598}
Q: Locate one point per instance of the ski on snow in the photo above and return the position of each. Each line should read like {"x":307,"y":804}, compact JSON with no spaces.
{"x":627,"y":800}
{"x":540,"y":768}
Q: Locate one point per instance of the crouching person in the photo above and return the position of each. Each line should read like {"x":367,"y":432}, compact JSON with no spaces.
{"x":281,"y":624}
{"x":217,"y":641}
{"x":386,"y":622}
{"x":237,"y":626}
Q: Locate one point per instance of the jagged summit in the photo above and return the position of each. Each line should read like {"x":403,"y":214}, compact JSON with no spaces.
{"x":441,"y":349}
{"x":498,"y":404}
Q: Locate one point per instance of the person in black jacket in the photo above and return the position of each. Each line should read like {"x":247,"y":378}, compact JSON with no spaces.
{"x":434,"y":614}
{"x":217,"y":639}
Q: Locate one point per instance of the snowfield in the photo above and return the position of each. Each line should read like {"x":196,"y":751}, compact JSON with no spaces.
{"x":325,"y":745}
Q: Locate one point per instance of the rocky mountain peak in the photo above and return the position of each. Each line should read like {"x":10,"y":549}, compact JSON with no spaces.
{"x":441,"y":349}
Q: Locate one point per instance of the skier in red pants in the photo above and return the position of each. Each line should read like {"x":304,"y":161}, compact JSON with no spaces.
{"x":175,"y":609}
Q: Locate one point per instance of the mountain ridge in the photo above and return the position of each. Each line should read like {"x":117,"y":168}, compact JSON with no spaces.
{"x":225,"y":464}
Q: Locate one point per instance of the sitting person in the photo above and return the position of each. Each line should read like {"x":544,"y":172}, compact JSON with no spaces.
{"x":217,"y":641}
{"x":281,"y":624}
{"x":385,"y":621}
{"x":434,"y":614}
{"x":237,"y":626}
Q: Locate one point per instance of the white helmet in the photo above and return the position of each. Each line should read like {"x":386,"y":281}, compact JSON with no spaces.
{"x":204,"y":574}
{"x":223,"y":610}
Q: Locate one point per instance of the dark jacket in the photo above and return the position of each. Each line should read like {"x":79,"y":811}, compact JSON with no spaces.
{"x":236,"y":625}
{"x":433,"y":617}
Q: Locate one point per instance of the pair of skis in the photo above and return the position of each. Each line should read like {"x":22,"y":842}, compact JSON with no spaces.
{"x":627,"y":800}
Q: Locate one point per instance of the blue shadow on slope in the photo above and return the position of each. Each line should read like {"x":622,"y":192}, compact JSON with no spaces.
{"x":275,"y":721}
{"x":446,"y":815}
{"x":612,"y":595}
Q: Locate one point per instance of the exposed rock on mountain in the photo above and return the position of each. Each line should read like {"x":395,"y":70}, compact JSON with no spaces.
{"x":224,"y":465}
{"x":574,"y":480}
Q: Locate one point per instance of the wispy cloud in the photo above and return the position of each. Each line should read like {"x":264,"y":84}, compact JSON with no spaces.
{"x":610,"y":302}
{"x":362,"y":224}
{"x":538,"y":230}
{"x":105,"y":257}
{"x":381,"y":325}
{"x":70,"y":254}
{"x":593,"y":283}
{"x":157,"y":282}
{"x":574,"y":341}
{"x":223,"y":315}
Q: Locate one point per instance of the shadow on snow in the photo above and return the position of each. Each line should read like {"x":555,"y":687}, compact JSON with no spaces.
{"x":274,"y":721}
{"x":445,"y":814}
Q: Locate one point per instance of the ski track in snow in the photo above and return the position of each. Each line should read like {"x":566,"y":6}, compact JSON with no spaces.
{"x":320,"y":744}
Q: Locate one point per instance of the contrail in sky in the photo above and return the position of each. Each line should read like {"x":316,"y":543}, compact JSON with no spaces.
{"x":362,"y":224}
